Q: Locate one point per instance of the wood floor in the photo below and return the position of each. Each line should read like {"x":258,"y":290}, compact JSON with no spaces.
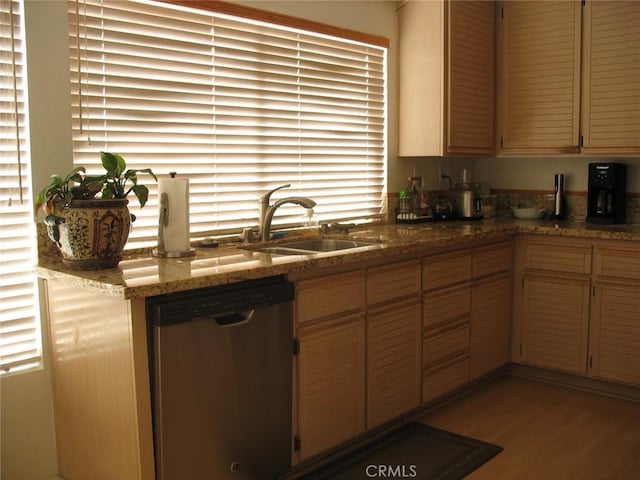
{"x":548,"y":432}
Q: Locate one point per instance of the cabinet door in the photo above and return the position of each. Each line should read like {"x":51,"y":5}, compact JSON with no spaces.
{"x":421,"y":77}
{"x":393,"y":361}
{"x":446,"y":65}
{"x":470,"y":76}
{"x":555,"y":322}
{"x":615,"y":332}
{"x":540,"y":77}
{"x":611,"y":67}
{"x":490,"y":321}
{"x":331,"y":374}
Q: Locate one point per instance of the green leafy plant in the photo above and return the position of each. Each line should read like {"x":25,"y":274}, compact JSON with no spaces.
{"x":118,"y":182}
{"x":62,"y":190}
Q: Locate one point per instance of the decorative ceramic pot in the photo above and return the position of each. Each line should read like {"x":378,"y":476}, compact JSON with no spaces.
{"x":91,"y":234}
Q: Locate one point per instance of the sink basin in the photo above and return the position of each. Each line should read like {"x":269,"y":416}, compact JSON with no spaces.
{"x":325,"y":244}
{"x":283,"y":251}
{"x":314,"y":245}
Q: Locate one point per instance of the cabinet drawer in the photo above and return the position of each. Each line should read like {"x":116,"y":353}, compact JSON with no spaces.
{"x":558,"y":257}
{"x":445,"y":344}
{"x":392,"y":281}
{"x":444,"y":270}
{"x":617,"y":262}
{"x":491,"y":259}
{"x":438,"y":382}
{"x":446,"y":305}
{"x":330,"y":295}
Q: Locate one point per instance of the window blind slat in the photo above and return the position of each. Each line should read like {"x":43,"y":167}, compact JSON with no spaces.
{"x":20,"y":343}
{"x":235,"y":105}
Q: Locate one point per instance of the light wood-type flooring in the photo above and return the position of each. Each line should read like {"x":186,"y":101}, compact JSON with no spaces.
{"x":548,"y":432}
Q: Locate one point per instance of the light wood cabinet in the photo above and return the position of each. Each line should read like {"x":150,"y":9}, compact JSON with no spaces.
{"x":610,"y":66}
{"x":566,"y":71}
{"x":491,"y":268}
{"x":359,"y":358}
{"x":446,"y":283}
{"x":615,"y":332}
{"x":447,"y":69}
{"x":556,"y":322}
{"x":393,"y":340}
{"x":329,"y":367}
{"x":553,"y":297}
{"x":578,"y":308}
{"x":394,"y":281}
{"x":393,"y":360}
{"x":322,"y":297}
{"x":330,"y":384}
{"x":615,"y":313}
{"x":466,"y":316}
{"x":102,"y":404}
{"x":539,"y":77}
{"x":490,"y":324}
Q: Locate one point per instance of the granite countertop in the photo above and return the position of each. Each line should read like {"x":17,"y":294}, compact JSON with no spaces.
{"x":142,"y":275}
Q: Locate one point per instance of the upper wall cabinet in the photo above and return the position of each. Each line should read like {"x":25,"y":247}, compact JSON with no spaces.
{"x":611,"y":68}
{"x":566,"y":77}
{"x":447,"y":66}
{"x":540,"y":77}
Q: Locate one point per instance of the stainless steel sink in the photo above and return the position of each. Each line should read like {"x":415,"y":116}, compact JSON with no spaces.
{"x":325,"y":244}
{"x":314,"y":246}
{"x":283,"y":251}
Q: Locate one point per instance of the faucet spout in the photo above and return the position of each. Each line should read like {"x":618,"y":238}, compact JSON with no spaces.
{"x":267,"y":211}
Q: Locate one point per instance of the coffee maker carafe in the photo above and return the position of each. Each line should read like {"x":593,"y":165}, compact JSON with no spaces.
{"x":606,"y":193}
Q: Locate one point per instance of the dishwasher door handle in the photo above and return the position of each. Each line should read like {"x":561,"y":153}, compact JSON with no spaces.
{"x":234,"y":319}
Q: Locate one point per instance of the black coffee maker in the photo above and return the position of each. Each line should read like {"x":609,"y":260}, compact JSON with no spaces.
{"x":606,"y":193}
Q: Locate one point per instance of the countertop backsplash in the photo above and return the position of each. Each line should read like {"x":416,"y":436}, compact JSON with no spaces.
{"x":576,"y":204}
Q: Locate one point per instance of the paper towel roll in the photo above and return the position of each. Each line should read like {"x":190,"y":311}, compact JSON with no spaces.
{"x":176,"y":232}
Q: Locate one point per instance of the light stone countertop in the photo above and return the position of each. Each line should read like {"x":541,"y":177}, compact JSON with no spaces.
{"x":142,"y":275}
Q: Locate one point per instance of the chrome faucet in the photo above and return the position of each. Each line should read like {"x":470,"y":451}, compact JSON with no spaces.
{"x":266,"y":211}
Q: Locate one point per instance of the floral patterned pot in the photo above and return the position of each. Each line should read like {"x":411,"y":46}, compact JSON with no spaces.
{"x":91,"y":234}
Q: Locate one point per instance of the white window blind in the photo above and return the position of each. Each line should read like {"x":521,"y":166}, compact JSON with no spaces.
{"x":235,"y":105}
{"x":20,"y":343}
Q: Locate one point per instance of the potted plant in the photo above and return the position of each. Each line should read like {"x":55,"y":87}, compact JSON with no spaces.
{"x":90,"y":230}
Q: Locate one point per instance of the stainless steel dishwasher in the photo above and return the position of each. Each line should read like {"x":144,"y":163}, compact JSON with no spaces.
{"x":221,"y":368}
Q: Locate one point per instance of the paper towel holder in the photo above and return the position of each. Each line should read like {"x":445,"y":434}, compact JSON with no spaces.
{"x":163,"y":221}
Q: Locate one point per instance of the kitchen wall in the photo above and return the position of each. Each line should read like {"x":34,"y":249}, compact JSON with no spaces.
{"x":537,"y":173}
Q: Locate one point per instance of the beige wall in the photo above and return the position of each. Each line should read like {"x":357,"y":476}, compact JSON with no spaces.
{"x":537,"y":173}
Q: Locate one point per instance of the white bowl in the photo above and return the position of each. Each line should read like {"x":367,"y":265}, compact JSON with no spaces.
{"x":528,"y":213}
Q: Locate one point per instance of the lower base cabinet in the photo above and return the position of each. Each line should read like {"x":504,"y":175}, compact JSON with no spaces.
{"x":578,"y":308}
{"x":556,"y":322}
{"x":331,"y":389}
{"x":490,"y":324}
{"x":444,"y":378}
{"x":393,"y":360}
{"x":423,"y":329}
{"x":615,"y":332}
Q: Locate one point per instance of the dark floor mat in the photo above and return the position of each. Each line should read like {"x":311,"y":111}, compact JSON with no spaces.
{"x":414,"y":451}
